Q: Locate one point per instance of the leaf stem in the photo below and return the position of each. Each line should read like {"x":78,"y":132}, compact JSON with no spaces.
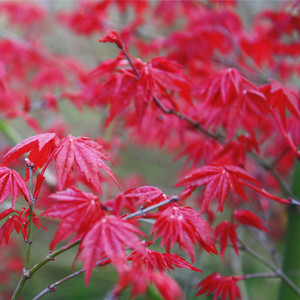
{"x":25,"y":273}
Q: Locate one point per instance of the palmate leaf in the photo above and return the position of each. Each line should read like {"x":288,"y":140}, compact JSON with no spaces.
{"x":12,"y":183}
{"x":78,"y":211}
{"x":219,"y":179}
{"x":226,"y":231}
{"x":108,"y":238}
{"x":160,"y":261}
{"x":40,"y":147}
{"x":248,"y":218}
{"x":184,"y":226}
{"x":18,"y":222}
{"x":88,"y":156}
{"x":221,"y":285}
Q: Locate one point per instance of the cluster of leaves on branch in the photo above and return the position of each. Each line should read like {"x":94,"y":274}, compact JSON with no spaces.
{"x":210,"y":92}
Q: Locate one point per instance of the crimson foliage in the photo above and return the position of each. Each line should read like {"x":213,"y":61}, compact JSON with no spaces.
{"x":212,"y":91}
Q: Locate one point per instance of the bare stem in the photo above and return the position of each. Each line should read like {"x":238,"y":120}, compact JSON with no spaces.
{"x":25,"y":273}
{"x":261,"y":275}
{"x":277,"y":271}
{"x":50,"y":256}
{"x":52,"y":287}
{"x":152,"y":207}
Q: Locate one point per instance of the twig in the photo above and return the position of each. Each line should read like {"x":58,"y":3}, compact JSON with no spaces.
{"x":277,"y":271}
{"x":261,"y":275}
{"x":25,"y":272}
{"x":152,"y":207}
{"x":52,"y":287}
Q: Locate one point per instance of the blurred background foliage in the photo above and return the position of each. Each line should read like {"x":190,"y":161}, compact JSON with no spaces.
{"x":155,"y":166}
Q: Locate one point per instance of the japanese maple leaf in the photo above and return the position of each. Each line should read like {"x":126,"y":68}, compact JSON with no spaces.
{"x":222,"y":286}
{"x":280,"y":98}
{"x":112,"y":37}
{"x":138,"y":278}
{"x":88,"y":156}
{"x":226,"y":231}
{"x":141,"y":196}
{"x":160,"y":261}
{"x":248,"y":218}
{"x":108,"y":237}
{"x":235,"y":101}
{"x":184,"y":226}
{"x":18,"y":221}
{"x":219,"y":180}
{"x":40,"y":147}
{"x":144,"y":195}
{"x":12,"y":183}
{"x":78,"y":211}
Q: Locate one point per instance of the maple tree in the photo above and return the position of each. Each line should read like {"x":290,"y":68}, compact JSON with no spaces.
{"x":212,"y":91}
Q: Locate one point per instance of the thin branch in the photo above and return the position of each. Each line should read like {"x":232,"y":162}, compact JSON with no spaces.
{"x":152,"y":207}
{"x":261,"y":275}
{"x":277,"y":271}
{"x":52,"y":287}
{"x":51,"y":256}
{"x":25,"y":272}
{"x":196,"y":125}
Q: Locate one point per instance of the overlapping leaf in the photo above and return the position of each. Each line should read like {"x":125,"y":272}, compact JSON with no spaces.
{"x":184,"y":226}
{"x":78,"y":211}
{"x":226,"y":231}
{"x":248,"y":218}
{"x":108,"y":237}
{"x":88,"y":156}
{"x":12,"y":183}
{"x":219,"y":180}
{"x":160,"y":261}
{"x":40,"y":147}
{"x":222,"y":286}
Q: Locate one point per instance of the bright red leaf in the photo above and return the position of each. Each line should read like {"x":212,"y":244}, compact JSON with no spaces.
{"x":226,"y":231}
{"x":138,"y":279}
{"x":219,"y":180}
{"x":78,"y":211}
{"x":40,"y":147}
{"x":184,"y":226}
{"x":108,"y":237}
{"x":222,"y":286}
{"x":112,"y":37}
{"x":12,"y":183}
{"x":88,"y":156}
{"x":248,"y":218}
{"x":160,"y":261}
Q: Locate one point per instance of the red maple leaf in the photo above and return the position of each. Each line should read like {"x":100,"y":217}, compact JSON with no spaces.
{"x":108,"y":237}
{"x":144,"y":195}
{"x":222,"y":285}
{"x":78,"y":211}
{"x":225,"y":231}
{"x":12,"y":183}
{"x":88,"y":156}
{"x":112,"y":37}
{"x":40,"y":147}
{"x":281,"y":98}
{"x":219,"y":180}
{"x":160,"y":261}
{"x":184,"y":226}
{"x":138,"y":279}
{"x":248,"y":218}
{"x":19,"y":222}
